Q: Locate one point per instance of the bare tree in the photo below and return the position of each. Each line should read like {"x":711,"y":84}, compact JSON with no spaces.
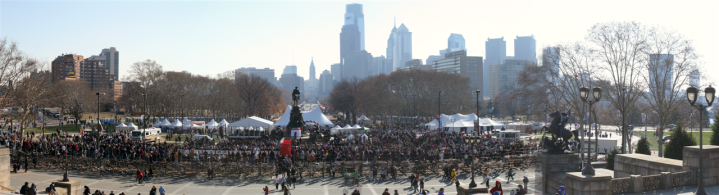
{"x":672,"y":59}
{"x":620,"y":47}
{"x":15,"y":67}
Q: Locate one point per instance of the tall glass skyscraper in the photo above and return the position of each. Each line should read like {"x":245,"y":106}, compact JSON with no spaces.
{"x":354,"y":15}
{"x":525,"y":48}
{"x":402,"y":48}
{"x":496,"y":53}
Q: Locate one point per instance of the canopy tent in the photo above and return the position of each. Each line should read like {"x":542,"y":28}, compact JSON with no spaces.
{"x":131,"y":125}
{"x":458,"y":125}
{"x":252,"y":121}
{"x":164,"y":123}
{"x":212,"y":124}
{"x":347,"y":127}
{"x":224,"y":122}
{"x":356,"y":127}
{"x":175,"y":124}
{"x":317,"y":116}
{"x":121,"y":125}
{"x":485,"y":122}
{"x":363,"y":118}
{"x":313,"y":115}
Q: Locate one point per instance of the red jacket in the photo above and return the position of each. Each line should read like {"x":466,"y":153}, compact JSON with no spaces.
{"x":497,"y":188}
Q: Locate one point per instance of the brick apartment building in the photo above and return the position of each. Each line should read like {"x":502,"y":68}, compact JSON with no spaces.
{"x":93,"y":72}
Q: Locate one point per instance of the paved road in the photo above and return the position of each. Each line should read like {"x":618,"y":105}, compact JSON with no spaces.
{"x":223,"y":186}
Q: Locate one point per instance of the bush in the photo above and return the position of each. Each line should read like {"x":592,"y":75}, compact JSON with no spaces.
{"x":643,"y":147}
{"x":610,"y":159}
{"x":715,"y":129}
{"x":680,"y":138}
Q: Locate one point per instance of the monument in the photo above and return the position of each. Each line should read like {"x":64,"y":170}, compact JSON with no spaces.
{"x":560,"y":135}
{"x":296,"y":127}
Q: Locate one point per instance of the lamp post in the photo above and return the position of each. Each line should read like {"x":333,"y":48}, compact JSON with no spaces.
{"x":624,"y":129}
{"x":692,"y":94}
{"x":439,"y":106}
{"x":144,"y":97}
{"x":473,"y":184}
{"x":584,"y":93}
{"x":98,"y":110}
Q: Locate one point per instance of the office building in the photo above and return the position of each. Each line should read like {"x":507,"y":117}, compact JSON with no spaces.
{"x":525,"y":48}
{"x":390,"y":50}
{"x":336,"y":70}
{"x":495,"y":53}
{"x":455,"y":42}
{"x":92,"y":72}
{"x":504,"y":75}
{"x":402,"y":47}
{"x":312,"y":69}
{"x":378,"y":66}
{"x":466,"y":66}
{"x":290,"y":81}
{"x":354,"y":16}
{"x":414,"y":64}
{"x":290,"y":69}
{"x":349,"y":44}
{"x":325,"y":83}
{"x":357,"y":65}
{"x":265,"y":73}
{"x":695,"y":78}
{"x":110,"y":59}
{"x":661,"y":73}
{"x":311,"y":84}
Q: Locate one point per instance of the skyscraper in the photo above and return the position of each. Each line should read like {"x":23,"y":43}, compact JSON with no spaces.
{"x":354,"y":16}
{"x":455,"y":42}
{"x":402,"y":47}
{"x":357,"y":65}
{"x":290,"y":69}
{"x":336,"y":70}
{"x":290,"y":79}
{"x":110,"y":59}
{"x":390,"y":51}
{"x":312,"y":85}
{"x":525,"y":48}
{"x":695,"y":78}
{"x":312,"y":69}
{"x":496,"y":53}
{"x":266,"y":73}
{"x":325,"y":82}
{"x":349,"y":44}
{"x":378,"y":66}
{"x":661,"y":73}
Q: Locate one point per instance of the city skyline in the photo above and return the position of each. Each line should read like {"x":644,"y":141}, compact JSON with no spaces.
{"x":314,"y":30}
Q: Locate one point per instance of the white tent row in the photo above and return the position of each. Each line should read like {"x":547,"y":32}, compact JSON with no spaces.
{"x":252,"y":121}
{"x":458,"y":121}
{"x":313,"y":115}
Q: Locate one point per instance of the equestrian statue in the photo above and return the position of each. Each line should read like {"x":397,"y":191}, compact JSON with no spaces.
{"x":560,"y":135}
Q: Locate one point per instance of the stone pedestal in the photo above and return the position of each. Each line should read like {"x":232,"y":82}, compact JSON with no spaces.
{"x":70,"y":187}
{"x":5,"y":167}
{"x":598,"y":184}
{"x":552,"y":167}
{"x":711,"y":163}
{"x":464,"y":189}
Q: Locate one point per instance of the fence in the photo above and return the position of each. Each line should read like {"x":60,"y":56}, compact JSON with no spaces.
{"x":638,"y":183}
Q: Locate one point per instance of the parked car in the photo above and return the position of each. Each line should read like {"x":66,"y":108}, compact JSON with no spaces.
{"x":666,"y":138}
{"x":631,"y":128}
{"x":670,"y":127}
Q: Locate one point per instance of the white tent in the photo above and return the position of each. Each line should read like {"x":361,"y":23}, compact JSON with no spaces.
{"x":347,"y":127}
{"x":212,"y":124}
{"x":131,"y":127}
{"x":363,"y":118}
{"x":356,"y":127}
{"x":314,"y":115}
{"x":121,"y":125}
{"x":164,"y":123}
{"x":485,"y":122}
{"x":252,"y":121}
{"x":175,"y":124}
{"x":458,"y":125}
{"x":317,"y":116}
{"x":285,"y":118}
{"x":224,"y":122}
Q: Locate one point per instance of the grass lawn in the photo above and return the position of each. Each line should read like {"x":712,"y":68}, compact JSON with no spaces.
{"x":653,"y":142}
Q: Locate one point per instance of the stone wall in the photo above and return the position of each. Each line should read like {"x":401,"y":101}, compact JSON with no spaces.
{"x":553,"y":167}
{"x":626,"y":165}
{"x":711,"y":162}
{"x":5,"y":167}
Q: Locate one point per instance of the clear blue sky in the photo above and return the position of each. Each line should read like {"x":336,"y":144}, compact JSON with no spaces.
{"x":207,"y":38}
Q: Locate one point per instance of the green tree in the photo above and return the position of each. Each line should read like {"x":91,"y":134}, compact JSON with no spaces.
{"x":680,"y":138}
{"x":643,"y":147}
{"x":610,"y":159}
{"x":715,"y":129}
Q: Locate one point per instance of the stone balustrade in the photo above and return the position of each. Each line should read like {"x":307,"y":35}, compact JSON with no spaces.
{"x":663,"y":181}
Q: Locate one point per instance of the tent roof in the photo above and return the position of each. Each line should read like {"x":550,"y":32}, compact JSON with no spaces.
{"x":176,"y":124}
{"x":121,"y":125}
{"x":252,"y":121}
{"x":131,"y":125}
{"x":356,"y":126}
{"x":223,"y":122}
{"x":363,"y":118}
{"x":313,"y":115}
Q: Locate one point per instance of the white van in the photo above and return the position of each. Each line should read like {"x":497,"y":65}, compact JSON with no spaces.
{"x":198,"y":137}
{"x":151,"y":134}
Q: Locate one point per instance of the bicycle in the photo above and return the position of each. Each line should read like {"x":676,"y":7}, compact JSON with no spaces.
{"x":140,"y":181}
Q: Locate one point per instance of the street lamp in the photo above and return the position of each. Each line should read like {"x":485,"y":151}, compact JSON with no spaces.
{"x":473,"y":184}
{"x":144,"y":96}
{"x":439,"y":106}
{"x":692,"y":94}
{"x":584,"y":94}
{"x":98,"y":110}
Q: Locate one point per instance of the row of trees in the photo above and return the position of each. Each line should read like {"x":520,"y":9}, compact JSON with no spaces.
{"x":405,"y":93}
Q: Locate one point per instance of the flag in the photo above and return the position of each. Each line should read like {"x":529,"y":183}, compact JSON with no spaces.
{"x":644,"y":118}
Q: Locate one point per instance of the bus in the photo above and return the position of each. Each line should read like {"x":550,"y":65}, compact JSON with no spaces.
{"x":151,"y":134}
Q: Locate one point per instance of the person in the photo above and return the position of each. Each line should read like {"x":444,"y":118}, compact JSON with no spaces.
{"x":421,"y":184}
{"x":386,"y":191}
{"x":454,"y":175}
{"x":162,"y":190}
{"x":510,"y":174}
{"x":266,"y":190}
{"x":153,"y":191}
{"x":414,"y":185}
{"x":277,"y":182}
{"x":441,"y":191}
{"x":521,"y":190}
{"x":395,"y":192}
{"x":139,"y":175}
{"x":32,"y":190}
{"x":526,"y":181}
{"x":112,"y":192}
{"x":51,"y":189}
{"x":512,"y":192}
{"x":285,"y":189}
{"x":87,"y":191}
{"x":24,"y":188}
{"x":497,"y":188}
{"x":102,"y":170}
{"x":294,"y":182}
{"x":561,"y":191}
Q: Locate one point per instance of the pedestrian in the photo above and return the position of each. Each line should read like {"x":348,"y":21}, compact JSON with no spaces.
{"x":277,"y":183}
{"x":395,"y":192}
{"x":162,"y":190}
{"x":294,"y":182}
{"x":561,"y":191}
{"x":441,"y":191}
{"x":266,"y":190}
{"x":414,"y":185}
{"x":454,"y":175}
{"x":421,"y":184}
{"x":102,"y":170}
{"x":510,"y":174}
{"x":386,"y":191}
{"x":526,"y":181}
{"x":497,"y":188}
{"x":153,"y":191}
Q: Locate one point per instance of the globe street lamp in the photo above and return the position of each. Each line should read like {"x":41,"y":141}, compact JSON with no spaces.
{"x":584,"y":93}
{"x":473,"y":184}
{"x":692,"y":94}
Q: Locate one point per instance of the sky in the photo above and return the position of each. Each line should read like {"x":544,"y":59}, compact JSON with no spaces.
{"x":208,"y":38}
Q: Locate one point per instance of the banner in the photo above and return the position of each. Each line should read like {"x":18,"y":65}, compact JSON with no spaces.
{"x":644,"y":118}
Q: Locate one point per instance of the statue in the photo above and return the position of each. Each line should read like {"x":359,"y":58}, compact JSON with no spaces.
{"x":295,"y":96}
{"x":560,"y":135}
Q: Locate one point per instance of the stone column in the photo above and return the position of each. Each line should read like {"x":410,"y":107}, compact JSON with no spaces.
{"x":637,"y":183}
{"x":666,"y":180}
{"x":598,"y":184}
